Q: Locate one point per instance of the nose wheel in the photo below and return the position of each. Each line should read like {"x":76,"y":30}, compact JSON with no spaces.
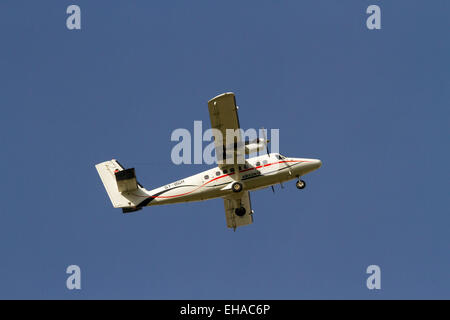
{"x":300,"y":184}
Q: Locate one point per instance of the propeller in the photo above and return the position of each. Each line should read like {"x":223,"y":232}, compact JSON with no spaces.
{"x":266,"y":142}
{"x":267,"y":149}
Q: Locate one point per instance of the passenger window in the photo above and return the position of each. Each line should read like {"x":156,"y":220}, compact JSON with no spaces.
{"x":258,"y":164}
{"x":206,"y":177}
{"x":218,"y":173}
{"x":240,"y":168}
{"x":225,"y":171}
{"x":231,"y":170}
{"x":264,"y":162}
{"x":245,"y":166}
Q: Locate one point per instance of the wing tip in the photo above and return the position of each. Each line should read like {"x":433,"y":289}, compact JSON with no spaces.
{"x":221,"y":95}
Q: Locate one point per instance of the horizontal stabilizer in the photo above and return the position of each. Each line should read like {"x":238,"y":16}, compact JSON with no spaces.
{"x":126,"y":180}
{"x":132,"y":209}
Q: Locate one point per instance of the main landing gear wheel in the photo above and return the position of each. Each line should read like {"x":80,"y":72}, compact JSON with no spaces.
{"x":300,"y":184}
{"x":240,"y":211}
{"x":236,"y":187}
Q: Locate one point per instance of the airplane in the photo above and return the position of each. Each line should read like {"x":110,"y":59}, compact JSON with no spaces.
{"x":230,"y":180}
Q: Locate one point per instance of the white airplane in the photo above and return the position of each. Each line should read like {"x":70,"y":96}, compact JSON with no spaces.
{"x":232,"y":182}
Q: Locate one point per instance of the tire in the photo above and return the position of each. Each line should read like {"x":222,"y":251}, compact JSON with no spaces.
{"x":236,"y":187}
{"x":240,"y":211}
{"x":300,"y":184}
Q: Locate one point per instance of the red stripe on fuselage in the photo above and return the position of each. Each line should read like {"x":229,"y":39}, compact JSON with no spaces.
{"x":222,"y":176}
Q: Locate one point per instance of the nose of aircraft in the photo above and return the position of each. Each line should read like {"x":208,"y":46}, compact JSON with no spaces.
{"x":311,"y":164}
{"x":317,"y":163}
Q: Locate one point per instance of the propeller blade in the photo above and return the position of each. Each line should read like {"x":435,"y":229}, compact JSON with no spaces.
{"x":266,"y":141}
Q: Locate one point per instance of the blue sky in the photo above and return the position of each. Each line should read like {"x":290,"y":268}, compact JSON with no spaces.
{"x":372,"y":105}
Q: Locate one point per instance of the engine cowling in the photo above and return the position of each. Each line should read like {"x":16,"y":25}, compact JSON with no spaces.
{"x":255,"y":146}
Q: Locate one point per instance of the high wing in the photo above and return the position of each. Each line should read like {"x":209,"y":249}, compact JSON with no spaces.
{"x":223,"y":115}
{"x":234,"y":221}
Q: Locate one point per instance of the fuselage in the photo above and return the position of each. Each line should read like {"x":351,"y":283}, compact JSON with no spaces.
{"x":257,"y":173}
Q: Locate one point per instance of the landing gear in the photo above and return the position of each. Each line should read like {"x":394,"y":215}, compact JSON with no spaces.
{"x":300,"y":184}
{"x":236,"y":187}
{"x":239,"y":211}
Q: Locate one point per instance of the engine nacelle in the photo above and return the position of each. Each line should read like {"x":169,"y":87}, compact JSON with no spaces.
{"x":255,"y":146}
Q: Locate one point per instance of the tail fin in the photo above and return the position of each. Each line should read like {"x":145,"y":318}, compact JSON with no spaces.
{"x":119,"y":182}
